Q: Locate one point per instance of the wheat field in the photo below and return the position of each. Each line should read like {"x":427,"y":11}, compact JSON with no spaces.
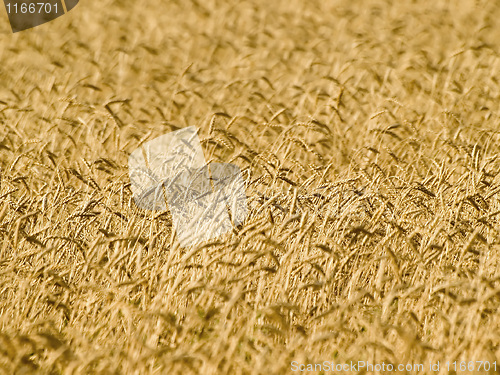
{"x":368,"y":136}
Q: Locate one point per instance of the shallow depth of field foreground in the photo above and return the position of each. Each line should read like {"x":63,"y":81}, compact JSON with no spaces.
{"x":368,"y":136}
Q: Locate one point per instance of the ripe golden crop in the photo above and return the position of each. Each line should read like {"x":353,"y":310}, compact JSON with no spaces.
{"x":367,"y":134}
